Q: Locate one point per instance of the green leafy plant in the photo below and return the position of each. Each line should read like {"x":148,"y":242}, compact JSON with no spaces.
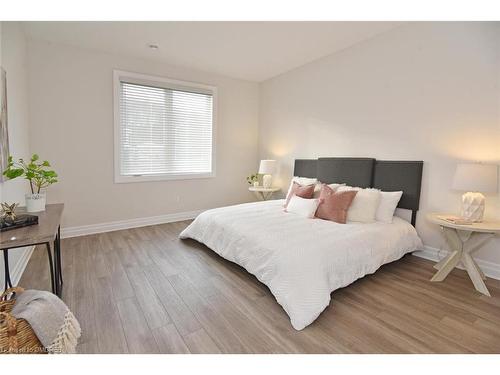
{"x":39,"y":174}
{"x":252,"y":178}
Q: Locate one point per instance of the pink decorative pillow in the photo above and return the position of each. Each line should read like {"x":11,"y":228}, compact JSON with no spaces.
{"x":300,"y":191}
{"x":333,"y":205}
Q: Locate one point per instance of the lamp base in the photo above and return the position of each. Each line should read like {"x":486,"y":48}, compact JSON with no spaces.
{"x":473,"y":207}
{"x":267,"y":180}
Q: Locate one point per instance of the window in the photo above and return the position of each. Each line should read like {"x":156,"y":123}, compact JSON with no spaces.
{"x":164,"y":129}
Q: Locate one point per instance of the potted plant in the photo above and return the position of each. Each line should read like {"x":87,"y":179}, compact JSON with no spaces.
{"x":40,"y":176}
{"x":253,"y":179}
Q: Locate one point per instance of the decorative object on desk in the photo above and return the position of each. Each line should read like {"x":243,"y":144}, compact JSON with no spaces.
{"x":8,"y":211}
{"x":10,"y":220}
{"x":35,"y":202}
{"x":39,"y":175}
{"x":475,"y":179}
{"x":4,"y":130}
{"x":267,"y":168}
{"x":20,"y":221}
{"x":253,"y":179}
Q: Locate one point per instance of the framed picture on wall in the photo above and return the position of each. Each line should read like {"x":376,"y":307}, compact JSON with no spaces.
{"x":4,"y":130}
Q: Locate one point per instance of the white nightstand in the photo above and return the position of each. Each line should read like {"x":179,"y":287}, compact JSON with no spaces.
{"x":262,"y":192}
{"x":464,"y":240}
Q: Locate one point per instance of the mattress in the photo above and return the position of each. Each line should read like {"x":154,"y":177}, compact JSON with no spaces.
{"x":300,"y":260}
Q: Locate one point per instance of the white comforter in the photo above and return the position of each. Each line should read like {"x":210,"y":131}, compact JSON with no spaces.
{"x":301,"y":260}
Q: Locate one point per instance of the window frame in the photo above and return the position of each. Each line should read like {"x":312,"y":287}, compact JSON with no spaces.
{"x":161,"y":82}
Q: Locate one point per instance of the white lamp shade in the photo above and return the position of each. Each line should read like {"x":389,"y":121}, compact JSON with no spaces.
{"x":267,"y":167}
{"x":476,"y":177}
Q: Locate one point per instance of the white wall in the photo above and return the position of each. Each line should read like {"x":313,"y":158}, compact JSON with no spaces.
{"x":71,"y":104}
{"x":423,"y":91}
{"x":13,"y":60}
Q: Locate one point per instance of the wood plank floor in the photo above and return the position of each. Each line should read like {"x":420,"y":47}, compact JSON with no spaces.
{"x":145,"y":291}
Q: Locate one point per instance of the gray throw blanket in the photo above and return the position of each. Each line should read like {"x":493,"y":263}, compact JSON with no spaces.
{"x":55,"y":326}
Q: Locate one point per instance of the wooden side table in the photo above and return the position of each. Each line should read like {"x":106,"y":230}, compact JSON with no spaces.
{"x":262,"y":192}
{"x":47,"y":231}
{"x":463,"y":240}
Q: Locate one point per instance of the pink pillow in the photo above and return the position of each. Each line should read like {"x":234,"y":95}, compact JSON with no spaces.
{"x":300,"y":191}
{"x":333,"y":206}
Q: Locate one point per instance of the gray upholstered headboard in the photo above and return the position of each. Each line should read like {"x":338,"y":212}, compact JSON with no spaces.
{"x":387,"y":175}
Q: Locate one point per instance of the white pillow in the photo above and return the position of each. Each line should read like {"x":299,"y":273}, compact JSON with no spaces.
{"x":302,"y":206}
{"x":304,"y":181}
{"x":388,"y":202}
{"x":317,"y":188}
{"x":364,"y":205}
{"x":335,"y":186}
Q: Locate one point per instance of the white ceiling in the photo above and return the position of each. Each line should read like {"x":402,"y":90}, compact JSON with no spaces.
{"x":253,"y":51}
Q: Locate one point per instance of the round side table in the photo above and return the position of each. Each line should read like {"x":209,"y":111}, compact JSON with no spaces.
{"x":262,"y":192}
{"x":463,"y":240}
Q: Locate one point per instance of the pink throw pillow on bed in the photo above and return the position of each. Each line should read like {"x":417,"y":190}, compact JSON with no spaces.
{"x":333,"y":205}
{"x":300,"y":191}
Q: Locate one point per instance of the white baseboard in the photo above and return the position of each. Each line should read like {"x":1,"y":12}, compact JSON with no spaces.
{"x":18,"y":269}
{"x":490,"y":269}
{"x":127,"y":224}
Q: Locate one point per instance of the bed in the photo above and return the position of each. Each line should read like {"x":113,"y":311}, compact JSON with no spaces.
{"x":303,"y":260}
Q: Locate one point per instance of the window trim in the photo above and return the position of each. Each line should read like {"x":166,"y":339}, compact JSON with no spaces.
{"x":156,"y":81}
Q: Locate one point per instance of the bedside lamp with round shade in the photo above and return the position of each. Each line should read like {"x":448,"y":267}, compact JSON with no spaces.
{"x":267,"y":168}
{"x":475,"y":179}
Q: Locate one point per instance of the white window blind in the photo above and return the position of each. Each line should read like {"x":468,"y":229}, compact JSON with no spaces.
{"x":164,"y":131}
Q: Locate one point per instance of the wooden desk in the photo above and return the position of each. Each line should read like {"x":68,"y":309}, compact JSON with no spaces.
{"x":46,"y":232}
{"x":463,"y":240}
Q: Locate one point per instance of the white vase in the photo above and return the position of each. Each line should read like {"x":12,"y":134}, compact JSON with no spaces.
{"x":35,"y":202}
{"x":256,"y":184}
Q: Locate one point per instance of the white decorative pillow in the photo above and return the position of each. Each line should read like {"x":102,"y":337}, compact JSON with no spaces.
{"x":302,"y":206}
{"x":335,"y":186}
{"x":317,"y":188}
{"x":388,"y":202}
{"x":304,"y":181}
{"x":364,"y":206}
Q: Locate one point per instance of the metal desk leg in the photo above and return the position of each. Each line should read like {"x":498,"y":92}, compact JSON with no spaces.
{"x":8,"y":282}
{"x":57,"y":262}
{"x":51,"y":265}
{"x":59,"y":252}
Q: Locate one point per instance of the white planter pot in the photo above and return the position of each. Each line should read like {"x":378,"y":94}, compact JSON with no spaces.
{"x":256,"y":184}
{"x":35,"y":202}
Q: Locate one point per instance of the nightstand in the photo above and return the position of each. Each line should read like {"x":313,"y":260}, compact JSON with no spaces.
{"x":262,"y":192}
{"x":463,"y":240}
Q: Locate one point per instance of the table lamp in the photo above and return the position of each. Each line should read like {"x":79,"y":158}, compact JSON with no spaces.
{"x":475,"y":179}
{"x":267,"y":168}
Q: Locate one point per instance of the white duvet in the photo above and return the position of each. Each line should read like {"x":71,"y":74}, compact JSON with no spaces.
{"x":301,"y":260}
